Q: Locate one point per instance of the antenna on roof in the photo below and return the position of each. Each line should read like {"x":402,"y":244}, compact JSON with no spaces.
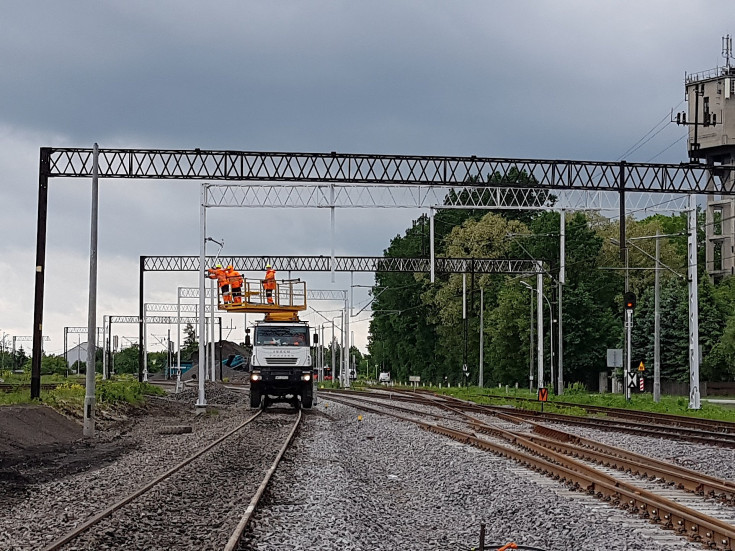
{"x":727,"y":49}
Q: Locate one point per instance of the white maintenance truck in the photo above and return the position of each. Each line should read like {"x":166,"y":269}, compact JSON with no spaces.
{"x":281,"y":367}
{"x":281,"y":364}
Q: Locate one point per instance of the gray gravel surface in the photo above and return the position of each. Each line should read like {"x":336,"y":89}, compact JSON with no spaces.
{"x":385,"y":484}
{"x":714,"y":461}
{"x":199,"y":507}
{"x":41,"y":513}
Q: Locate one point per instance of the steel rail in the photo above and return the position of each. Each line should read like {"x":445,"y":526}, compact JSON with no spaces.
{"x":676,"y":420}
{"x":14,"y":387}
{"x":107,"y":512}
{"x":577,"y":446}
{"x":685,"y":521}
{"x":234,"y":540}
{"x":592,"y":450}
{"x":639,"y":465}
{"x":713,"y":438}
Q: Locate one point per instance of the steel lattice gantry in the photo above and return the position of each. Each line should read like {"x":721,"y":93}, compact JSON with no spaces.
{"x":339,"y":168}
{"x":324,"y":264}
{"x":342,"y":264}
{"x":353,"y":168}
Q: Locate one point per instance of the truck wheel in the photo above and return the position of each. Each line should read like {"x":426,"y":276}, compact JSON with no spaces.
{"x":255,"y":398}
{"x":307,"y":399}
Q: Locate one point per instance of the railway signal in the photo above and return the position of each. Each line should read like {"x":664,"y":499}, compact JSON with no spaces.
{"x":629,"y":300}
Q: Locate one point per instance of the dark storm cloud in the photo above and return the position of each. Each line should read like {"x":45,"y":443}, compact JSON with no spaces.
{"x":566,"y":79}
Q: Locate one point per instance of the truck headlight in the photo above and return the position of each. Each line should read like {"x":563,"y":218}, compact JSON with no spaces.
{"x":306,"y":377}
{"x":256,"y":377}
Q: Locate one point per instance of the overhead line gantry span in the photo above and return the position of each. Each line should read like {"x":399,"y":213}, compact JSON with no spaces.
{"x":198,"y":164}
{"x":344,"y":264}
{"x":340,"y":168}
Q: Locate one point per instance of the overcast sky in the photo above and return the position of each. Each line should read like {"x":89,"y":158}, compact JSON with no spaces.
{"x":568,"y":79}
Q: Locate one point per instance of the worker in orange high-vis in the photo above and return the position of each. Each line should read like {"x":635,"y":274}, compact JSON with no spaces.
{"x":220,"y":274}
{"x":235,"y":280}
{"x":269,"y":283}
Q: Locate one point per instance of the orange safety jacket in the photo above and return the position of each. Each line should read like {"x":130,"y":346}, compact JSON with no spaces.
{"x":219,"y":274}
{"x":270,"y":279}
{"x":234,"y":277}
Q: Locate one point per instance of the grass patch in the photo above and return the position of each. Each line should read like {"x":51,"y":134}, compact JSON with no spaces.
{"x":69,"y":395}
{"x":673,"y":405}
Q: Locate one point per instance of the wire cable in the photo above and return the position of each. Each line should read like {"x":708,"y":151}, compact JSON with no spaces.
{"x":667,"y":148}
{"x":633,"y":148}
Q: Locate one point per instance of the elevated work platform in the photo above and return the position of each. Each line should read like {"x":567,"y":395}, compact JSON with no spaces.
{"x":249,"y":295}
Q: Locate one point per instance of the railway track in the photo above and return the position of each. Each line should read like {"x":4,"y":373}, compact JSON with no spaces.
{"x":653,"y":425}
{"x":203,"y":502}
{"x":690,"y":504}
{"x":15,"y":387}
{"x":709,"y":425}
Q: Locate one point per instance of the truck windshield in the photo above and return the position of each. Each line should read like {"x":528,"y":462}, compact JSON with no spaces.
{"x":281,"y":336}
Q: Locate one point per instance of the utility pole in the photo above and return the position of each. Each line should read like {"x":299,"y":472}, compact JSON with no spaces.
{"x":89,"y":397}
{"x":657,"y":327}
{"x":464,"y":319}
{"x":560,"y":284}
{"x":480,"y":381}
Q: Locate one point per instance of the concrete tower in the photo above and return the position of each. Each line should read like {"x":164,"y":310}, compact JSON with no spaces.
{"x":711,"y":120}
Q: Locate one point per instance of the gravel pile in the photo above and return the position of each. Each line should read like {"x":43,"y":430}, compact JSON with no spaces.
{"x":384,"y":484}
{"x":216,"y":395}
{"x":40,"y":513}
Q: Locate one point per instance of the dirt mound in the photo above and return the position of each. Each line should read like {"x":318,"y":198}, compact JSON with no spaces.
{"x":25,"y":427}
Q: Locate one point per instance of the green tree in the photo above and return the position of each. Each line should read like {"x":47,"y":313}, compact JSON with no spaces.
{"x":126,"y":360}
{"x":190,"y":345}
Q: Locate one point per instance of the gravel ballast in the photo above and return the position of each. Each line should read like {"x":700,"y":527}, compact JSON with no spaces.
{"x":385,"y":484}
{"x":371,"y":484}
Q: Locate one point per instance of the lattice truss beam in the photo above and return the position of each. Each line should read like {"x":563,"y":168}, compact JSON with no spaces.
{"x":311,"y":294}
{"x":167,"y":307}
{"x":259,"y":195}
{"x":153,"y":319}
{"x":73,"y":330}
{"x":344,"y":264}
{"x":385,"y":169}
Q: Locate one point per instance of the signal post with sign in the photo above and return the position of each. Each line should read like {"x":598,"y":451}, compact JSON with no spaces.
{"x":543,"y":396}
{"x":629,"y":303}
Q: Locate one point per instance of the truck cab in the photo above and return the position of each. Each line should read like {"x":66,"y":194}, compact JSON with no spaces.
{"x":281,"y":366}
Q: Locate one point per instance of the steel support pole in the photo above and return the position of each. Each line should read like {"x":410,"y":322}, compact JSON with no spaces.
{"x":141,"y":314}
{"x":694,"y":402}
{"x":89,"y":399}
{"x":621,"y":192}
{"x":201,"y":401}
{"x":464,"y":322}
{"x":480,"y":381}
{"x":332,"y":261}
{"x":540,"y":327}
{"x":213,"y":291}
{"x":178,"y":328}
{"x":431,"y":244}
{"x":105,"y":348}
{"x":628,"y":329}
{"x":144,"y":344}
{"x":334,"y":354}
{"x":346,"y":355}
{"x":66,"y":356}
{"x":43,"y":171}
{"x":530,"y":356}
{"x":657,"y":327}
{"x":562,"y":281}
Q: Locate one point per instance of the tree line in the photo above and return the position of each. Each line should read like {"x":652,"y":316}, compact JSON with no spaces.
{"x":418,"y":328}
